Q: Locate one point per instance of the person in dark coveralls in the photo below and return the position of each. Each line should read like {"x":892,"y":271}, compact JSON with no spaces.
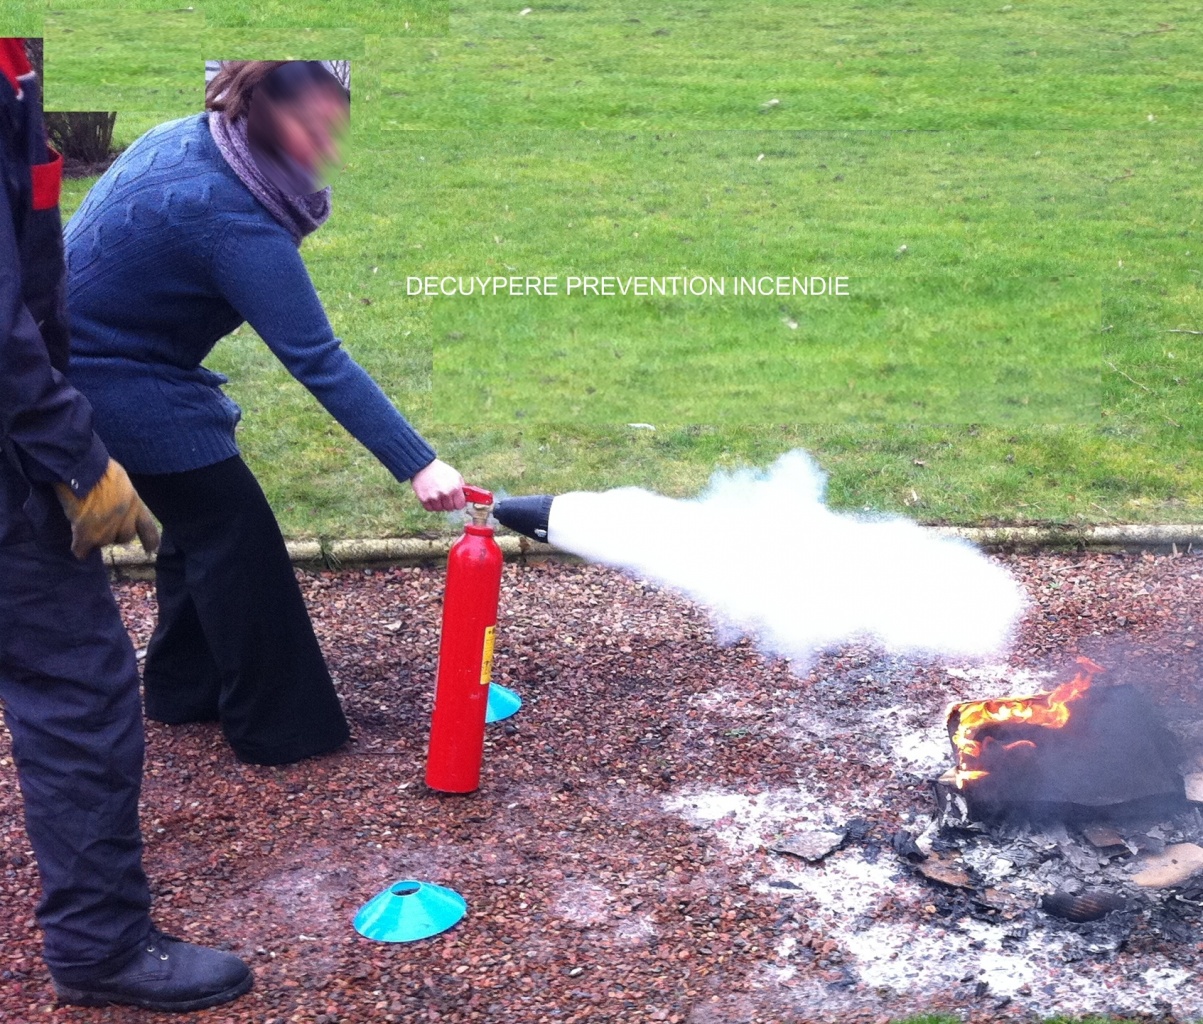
{"x":68,"y":677}
{"x":195,"y":229}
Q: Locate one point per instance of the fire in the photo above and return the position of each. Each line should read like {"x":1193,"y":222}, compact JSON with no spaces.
{"x":1050,"y":710}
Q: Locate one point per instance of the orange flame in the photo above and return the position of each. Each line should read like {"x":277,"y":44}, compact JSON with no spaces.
{"x":1050,"y":710}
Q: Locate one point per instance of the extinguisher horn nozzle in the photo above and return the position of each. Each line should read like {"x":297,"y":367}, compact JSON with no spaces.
{"x":528,"y":515}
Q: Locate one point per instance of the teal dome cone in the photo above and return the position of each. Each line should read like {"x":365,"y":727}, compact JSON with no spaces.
{"x":503,"y":702}
{"x":408,"y":910}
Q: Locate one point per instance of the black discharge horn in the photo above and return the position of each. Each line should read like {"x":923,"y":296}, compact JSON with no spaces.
{"x":527,"y":516}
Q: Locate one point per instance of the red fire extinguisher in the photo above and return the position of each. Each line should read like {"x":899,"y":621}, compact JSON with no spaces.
{"x":471,"y":593}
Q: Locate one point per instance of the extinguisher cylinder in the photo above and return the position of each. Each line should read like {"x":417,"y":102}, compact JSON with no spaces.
{"x":470,"y":599}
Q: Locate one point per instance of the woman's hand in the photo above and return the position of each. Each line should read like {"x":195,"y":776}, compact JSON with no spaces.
{"x":439,"y":487}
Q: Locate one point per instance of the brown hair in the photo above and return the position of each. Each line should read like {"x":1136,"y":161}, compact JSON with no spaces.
{"x":232,"y":87}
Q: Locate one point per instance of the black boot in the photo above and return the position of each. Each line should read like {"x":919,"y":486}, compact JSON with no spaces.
{"x":165,"y":974}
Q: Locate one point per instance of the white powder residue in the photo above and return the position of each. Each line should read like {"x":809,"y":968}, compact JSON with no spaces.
{"x":635,"y":930}
{"x":744,"y":821}
{"x":991,"y":680}
{"x":924,"y":752}
{"x":842,"y":885}
{"x":584,"y":903}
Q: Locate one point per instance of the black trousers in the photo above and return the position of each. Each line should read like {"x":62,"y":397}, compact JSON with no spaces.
{"x":69,"y":685}
{"x":234,"y":642}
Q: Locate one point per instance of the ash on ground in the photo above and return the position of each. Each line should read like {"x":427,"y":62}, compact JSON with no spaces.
{"x":1006,"y":918}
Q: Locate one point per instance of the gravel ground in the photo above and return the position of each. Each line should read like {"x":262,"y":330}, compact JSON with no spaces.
{"x":615,"y":859}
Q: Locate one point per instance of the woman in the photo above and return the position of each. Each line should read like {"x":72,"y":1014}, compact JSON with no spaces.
{"x":192,"y":231}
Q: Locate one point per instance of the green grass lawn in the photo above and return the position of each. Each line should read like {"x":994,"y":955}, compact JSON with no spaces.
{"x":1013,"y":363}
{"x":907,"y":64}
{"x":972,"y":261}
{"x":275,"y":17}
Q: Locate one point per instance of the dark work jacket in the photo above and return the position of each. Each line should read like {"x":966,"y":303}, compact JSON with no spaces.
{"x":46,"y":432}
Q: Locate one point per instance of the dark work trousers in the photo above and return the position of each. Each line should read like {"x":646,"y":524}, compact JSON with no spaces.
{"x":234,"y":642}
{"x":69,"y":684}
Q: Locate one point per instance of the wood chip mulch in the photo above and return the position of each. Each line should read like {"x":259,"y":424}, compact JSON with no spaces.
{"x":589,"y":897}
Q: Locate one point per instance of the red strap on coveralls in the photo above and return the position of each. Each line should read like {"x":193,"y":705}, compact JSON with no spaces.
{"x":47,"y":181}
{"x":13,"y":62}
{"x":47,"y":177}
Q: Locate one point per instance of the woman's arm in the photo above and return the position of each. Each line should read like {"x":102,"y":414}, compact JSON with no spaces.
{"x":261,"y":274}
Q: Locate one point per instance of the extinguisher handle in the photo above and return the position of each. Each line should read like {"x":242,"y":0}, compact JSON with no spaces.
{"x":477,"y":495}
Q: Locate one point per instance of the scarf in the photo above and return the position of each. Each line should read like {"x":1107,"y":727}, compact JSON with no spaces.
{"x":286,"y":191}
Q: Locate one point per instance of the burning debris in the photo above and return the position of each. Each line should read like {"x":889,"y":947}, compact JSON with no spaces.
{"x":968,"y":723}
{"x":1076,"y":753}
{"x":1065,"y":812}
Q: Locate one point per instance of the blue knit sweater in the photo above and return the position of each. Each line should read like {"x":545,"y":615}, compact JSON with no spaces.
{"x":168,"y":253}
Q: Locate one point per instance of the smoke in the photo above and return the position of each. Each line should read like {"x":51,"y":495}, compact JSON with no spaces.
{"x":767,"y":558}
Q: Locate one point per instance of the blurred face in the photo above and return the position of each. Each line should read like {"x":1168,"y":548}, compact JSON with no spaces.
{"x":310,"y":130}
{"x":307,"y":129}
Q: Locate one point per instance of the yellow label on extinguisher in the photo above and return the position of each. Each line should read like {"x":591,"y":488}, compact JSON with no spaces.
{"x":486,"y":657}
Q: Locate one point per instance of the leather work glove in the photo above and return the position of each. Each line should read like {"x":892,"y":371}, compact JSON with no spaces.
{"x":111,"y":512}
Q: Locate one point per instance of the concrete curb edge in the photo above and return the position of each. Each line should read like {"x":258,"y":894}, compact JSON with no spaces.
{"x":334,"y":554}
